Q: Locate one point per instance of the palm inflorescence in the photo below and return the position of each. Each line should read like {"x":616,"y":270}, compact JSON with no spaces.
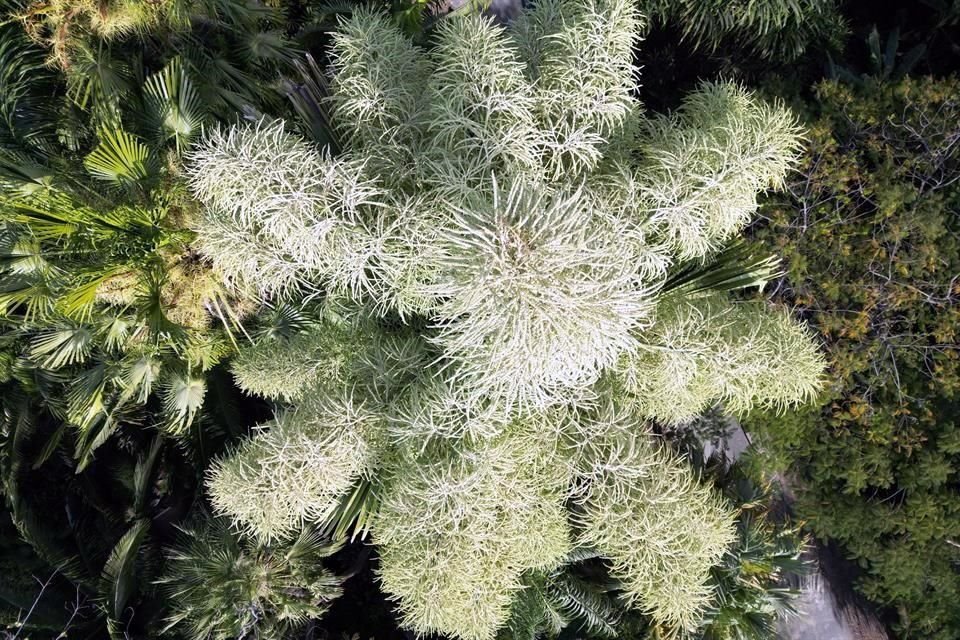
{"x":486,"y":318}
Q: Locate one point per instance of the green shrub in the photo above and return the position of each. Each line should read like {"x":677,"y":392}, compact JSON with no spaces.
{"x":870,"y":241}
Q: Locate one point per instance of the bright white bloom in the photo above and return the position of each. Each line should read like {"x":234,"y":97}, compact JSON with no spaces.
{"x":498,"y":238}
{"x":295,"y":469}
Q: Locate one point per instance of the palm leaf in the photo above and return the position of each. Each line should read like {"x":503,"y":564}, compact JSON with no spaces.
{"x":354,"y":514}
{"x":149,"y":302}
{"x":86,"y":397}
{"x":23,"y":176}
{"x":22,"y":257}
{"x":310,"y":97}
{"x":267,"y":45}
{"x":78,"y":303}
{"x":55,"y":348}
{"x":174,"y":107}
{"x":56,"y":217}
{"x":120,"y":158}
{"x":50,"y":446}
{"x":138,"y":378}
{"x":46,"y":220}
{"x":142,"y":474}
{"x":582,"y":554}
{"x":115,"y":331}
{"x":26,"y":87}
{"x":20,"y":425}
{"x":91,"y":440}
{"x":282,"y":321}
{"x":584,"y":601}
{"x":117,"y":578}
{"x":96,"y":81}
{"x":33,"y":299}
{"x":182,"y":399}
{"x":735,"y":267}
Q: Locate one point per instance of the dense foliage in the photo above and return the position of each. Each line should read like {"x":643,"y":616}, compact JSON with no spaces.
{"x":222,"y":587}
{"x":869,"y":234}
{"x":113,"y":325}
{"x":323,"y":320}
{"x":497,"y":269}
{"x":775,"y":29}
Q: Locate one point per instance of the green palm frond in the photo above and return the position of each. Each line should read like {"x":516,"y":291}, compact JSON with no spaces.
{"x":310,"y":96}
{"x":752,"y":592}
{"x":138,"y":377}
{"x":21,"y":428}
{"x":22,"y":256}
{"x":590,"y":604}
{"x":142,"y":475}
{"x":59,"y":347}
{"x":309,"y":545}
{"x":118,"y":583}
{"x":33,"y":528}
{"x":27,"y":91}
{"x":354,"y":515}
{"x":736,"y":266}
{"x":282,"y":321}
{"x":531,"y":615}
{"x":222,"y":85}
{"x":267,"y":45}
{"x":202,"y":350}
{"x":120,"y":158}
{"x":582,"y":554}
{"x":115,"y":331}
{"x":55,"y":216}
{"x":182,"y":398}
{"x":78,"y":304}
{"x":32,"y":299}
{"x":51,"y":445}
{"x":96,"y":81}
{"x":90,"y":440}
{"x":174,"y":107}
{"x":50,"y":218}
{"x":86,"y":396}
{"x":23,"y":175}
{"x":149,"y":302}
{"x":551,"y":602}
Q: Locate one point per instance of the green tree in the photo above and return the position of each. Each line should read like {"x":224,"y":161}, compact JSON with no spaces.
{"x":100,"y":285}
{"x":753,"y":582}
{"x":869,"y":234}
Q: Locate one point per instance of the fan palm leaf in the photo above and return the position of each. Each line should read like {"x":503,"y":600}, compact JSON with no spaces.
{"x":173,"y":106}
{"x":182,"y":399}
{"x":26,"y":88}
{"x":59,"y":347}
{"x":120,"y":158}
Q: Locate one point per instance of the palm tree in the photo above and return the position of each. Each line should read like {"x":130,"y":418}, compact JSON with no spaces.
{"x":224,"y":587}
{"x":108,"y":317}
{"x":99,"y":280}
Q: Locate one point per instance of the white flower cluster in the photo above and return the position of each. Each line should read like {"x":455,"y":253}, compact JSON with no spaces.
{"x":497,"y":237}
